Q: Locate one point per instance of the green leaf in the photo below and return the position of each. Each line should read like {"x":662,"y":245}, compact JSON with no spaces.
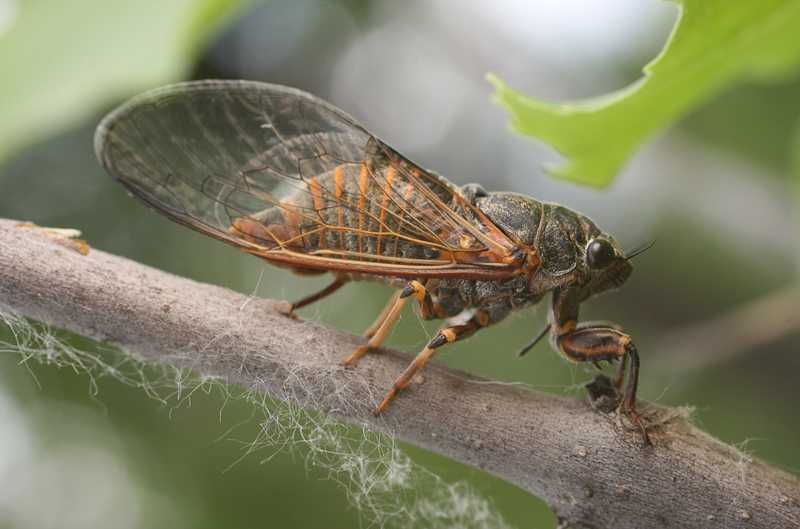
{"x":713,"y":44}
{"x":63,"y":61}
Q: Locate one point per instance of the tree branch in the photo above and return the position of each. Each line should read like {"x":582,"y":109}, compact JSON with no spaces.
{"x":592,"y":471}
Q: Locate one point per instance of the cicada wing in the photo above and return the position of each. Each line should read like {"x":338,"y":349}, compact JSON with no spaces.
{"x":288,"y":177}
{"x":190,"y":150}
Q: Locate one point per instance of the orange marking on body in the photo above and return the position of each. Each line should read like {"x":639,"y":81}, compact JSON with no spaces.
{"x":387,"y":188}
{"x":338,"y":182}
{"x":316,"y":194}
{"x":250,"y":230}
{"x":257,"y":233}
{"x":363,"y":181}
{"x":409,"y":191}
{"x":292,"y":219}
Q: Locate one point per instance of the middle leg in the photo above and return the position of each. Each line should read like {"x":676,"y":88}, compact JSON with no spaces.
{"x":379,"y":330}
{"x":446,"y":335}
{"x":372,"y":329}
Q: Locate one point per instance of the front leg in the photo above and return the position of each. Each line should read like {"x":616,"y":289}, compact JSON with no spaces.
{"x":596,"y":343}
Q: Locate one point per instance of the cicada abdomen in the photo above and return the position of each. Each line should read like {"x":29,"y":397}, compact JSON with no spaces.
{"x":366,"y":211}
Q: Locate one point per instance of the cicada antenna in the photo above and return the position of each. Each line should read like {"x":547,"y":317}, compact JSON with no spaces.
{"x":530,"y":346}
{"x":641,"y":250}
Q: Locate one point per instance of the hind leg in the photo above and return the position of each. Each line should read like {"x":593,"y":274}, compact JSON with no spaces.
{"x":335,"y":285}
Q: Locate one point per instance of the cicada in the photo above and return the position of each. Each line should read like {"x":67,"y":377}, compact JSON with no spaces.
{"x":291,"y":179}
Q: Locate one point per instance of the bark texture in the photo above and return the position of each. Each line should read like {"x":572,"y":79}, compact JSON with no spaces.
{"x":592,"y":471}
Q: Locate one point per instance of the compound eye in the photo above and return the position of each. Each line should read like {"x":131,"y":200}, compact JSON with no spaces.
{"x":599,"y":253}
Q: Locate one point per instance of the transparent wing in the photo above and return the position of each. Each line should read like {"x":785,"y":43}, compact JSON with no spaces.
{"x":287,"y":176}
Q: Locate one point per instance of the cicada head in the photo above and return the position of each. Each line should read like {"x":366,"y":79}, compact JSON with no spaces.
{"x":597,"y":260}
{"x":604,"y":265}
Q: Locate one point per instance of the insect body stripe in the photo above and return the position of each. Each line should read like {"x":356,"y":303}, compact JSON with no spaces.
{"x":291,"y":218}
{"x":387,"y":189}
{"x":316,"y":194}
{"x":379,"y":211}
{"x":338,"y":177}
{"x":363,"y":182}
{"x":409,"y":191}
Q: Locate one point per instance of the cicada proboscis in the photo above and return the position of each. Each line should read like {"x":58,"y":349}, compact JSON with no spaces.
{"x":290,"y":178}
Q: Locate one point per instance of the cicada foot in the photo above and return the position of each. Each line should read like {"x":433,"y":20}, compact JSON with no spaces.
{"x":604,"y":397}
{"x":67,"y":237}
{"x":638,"y":422}
{"x":353,"y":357}
{"x":629,"y":401}
{"x":286,"y":309}
{"x":597,"y":344}
{"x":402,"y":382}
{"x":446,"y":335}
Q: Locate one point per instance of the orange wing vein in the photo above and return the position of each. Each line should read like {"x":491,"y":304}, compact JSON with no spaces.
{"x":290,"y":178}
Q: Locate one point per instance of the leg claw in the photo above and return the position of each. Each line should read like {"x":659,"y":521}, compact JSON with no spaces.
{"x":355,"y":355}
{"x":636,"y":419}
{"x":285,"y":308}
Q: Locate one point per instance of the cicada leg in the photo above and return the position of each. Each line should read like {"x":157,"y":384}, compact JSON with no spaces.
{"x":335,"y":285}
{"x":446,"y":335}
{"x":386,"y":321}
{"x":598,"y":342}
{"x":67,"y":237}
{"x":602,"y":324}
{"x":372,"y":329}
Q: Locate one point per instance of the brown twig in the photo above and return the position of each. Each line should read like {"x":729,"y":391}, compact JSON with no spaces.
{"x":590,"y":469}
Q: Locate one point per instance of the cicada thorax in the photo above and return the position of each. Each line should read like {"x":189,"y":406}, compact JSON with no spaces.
{"x":365,"y":212}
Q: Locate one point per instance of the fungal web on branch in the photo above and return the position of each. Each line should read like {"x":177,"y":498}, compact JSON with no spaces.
{"x":378,"y":478}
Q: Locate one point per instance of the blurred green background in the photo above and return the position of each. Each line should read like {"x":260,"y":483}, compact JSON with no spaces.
{"x":718,"y":192}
